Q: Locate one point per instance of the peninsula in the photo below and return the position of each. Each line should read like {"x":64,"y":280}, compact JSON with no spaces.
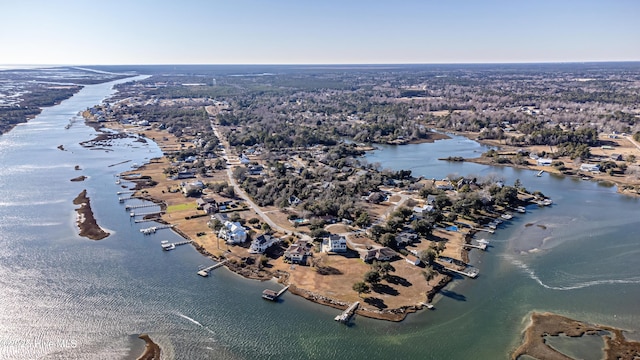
{"x":266,"y":172}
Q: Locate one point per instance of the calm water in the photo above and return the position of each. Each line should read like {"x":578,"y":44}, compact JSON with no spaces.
{"x":66,"y":297}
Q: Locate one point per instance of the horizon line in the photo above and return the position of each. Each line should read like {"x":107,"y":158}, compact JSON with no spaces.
{"x":327,"y":64}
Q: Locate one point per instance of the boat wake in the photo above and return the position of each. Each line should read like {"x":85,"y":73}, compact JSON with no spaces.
{"x":580,"y":285}
{"x":194,"y":321}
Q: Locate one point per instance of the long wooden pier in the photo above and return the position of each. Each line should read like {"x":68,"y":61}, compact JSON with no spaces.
{"x":272,"y":295}
{"x":205,"y":272}
{"x":130,"y":207}
{"x":346,"y":315}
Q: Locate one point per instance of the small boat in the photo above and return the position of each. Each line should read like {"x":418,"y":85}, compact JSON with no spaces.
{"x":521,"y":209}
{"x":483,"y":241}
{"x":547,"y":202}
{"x":506,"y":216}
{"x":540,"y":173}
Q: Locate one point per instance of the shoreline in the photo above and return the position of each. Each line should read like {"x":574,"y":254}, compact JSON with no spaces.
{"x":546,"y":324}
{"x":86,"y":221}
{"x":624,"y":186}
{"x":151,"y":349}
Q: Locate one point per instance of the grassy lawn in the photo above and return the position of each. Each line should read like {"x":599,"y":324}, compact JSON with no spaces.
{"x":181,"y":207}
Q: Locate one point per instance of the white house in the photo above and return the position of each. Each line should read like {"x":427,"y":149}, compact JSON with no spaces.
{"x":411,"y":259}
{"x":232,"y":233}
{"x":334,"y":243}
{"x":423,"y":209}
{"x":297,"y":251}
{"x":590,"y":167}
{"x":260,"y":244}
{"x":544,"y":162}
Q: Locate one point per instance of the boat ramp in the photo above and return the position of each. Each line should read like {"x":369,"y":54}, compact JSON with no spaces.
{"x":205,"y":272}
{"x":346,"y":315}
{"x":268,"y":294}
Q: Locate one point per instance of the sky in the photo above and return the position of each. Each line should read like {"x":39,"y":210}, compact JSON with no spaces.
{"x":105,"y":32}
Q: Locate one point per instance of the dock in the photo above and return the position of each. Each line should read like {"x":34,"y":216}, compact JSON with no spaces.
{"x":346,"y":315}
{"x":272,"y":295}
{"x":205,"y":272}
{"x":131,"y":207}
{"x":125,"y":192}
{"x":484,"y":229}
{"x":471,"y":273}
{"x":153,"y":229}
{"x":133,"y":214}
{"x":166,"y":246}
{"x":481,"y":246}
{"x":147,"y":220}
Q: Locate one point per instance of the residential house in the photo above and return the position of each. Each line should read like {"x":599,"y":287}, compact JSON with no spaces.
{"x":184,"y":175}
{"x":615,"y":157}
{"x":423,"y":209}
{"x":334,"y":243}
{"x":192,"y":188}
{"x":298,"y":251}
{"x":260,"y":244}
{"x":232,"y":233}
{"x":210,"y":206}
{"x":381,"y":254}
{"x":544,"y":162}
{"x":405,"y":238}
{"x":255,"y":170}
{"x":293,"y":200}
{"x":590,"y":167}
{"x":412,"y":259}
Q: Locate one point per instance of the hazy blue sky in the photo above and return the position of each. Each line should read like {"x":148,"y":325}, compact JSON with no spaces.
{"x":316,"y":31}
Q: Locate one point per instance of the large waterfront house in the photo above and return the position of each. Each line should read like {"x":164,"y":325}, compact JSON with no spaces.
{"x":334,"y":243}
{"x":232,"y":233}
{"x":260,"y":244}
{"x":297,"y":252}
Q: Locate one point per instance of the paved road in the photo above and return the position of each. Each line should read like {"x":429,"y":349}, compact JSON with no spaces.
{"x":242,"y":194}
{"x":630,"y":138}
